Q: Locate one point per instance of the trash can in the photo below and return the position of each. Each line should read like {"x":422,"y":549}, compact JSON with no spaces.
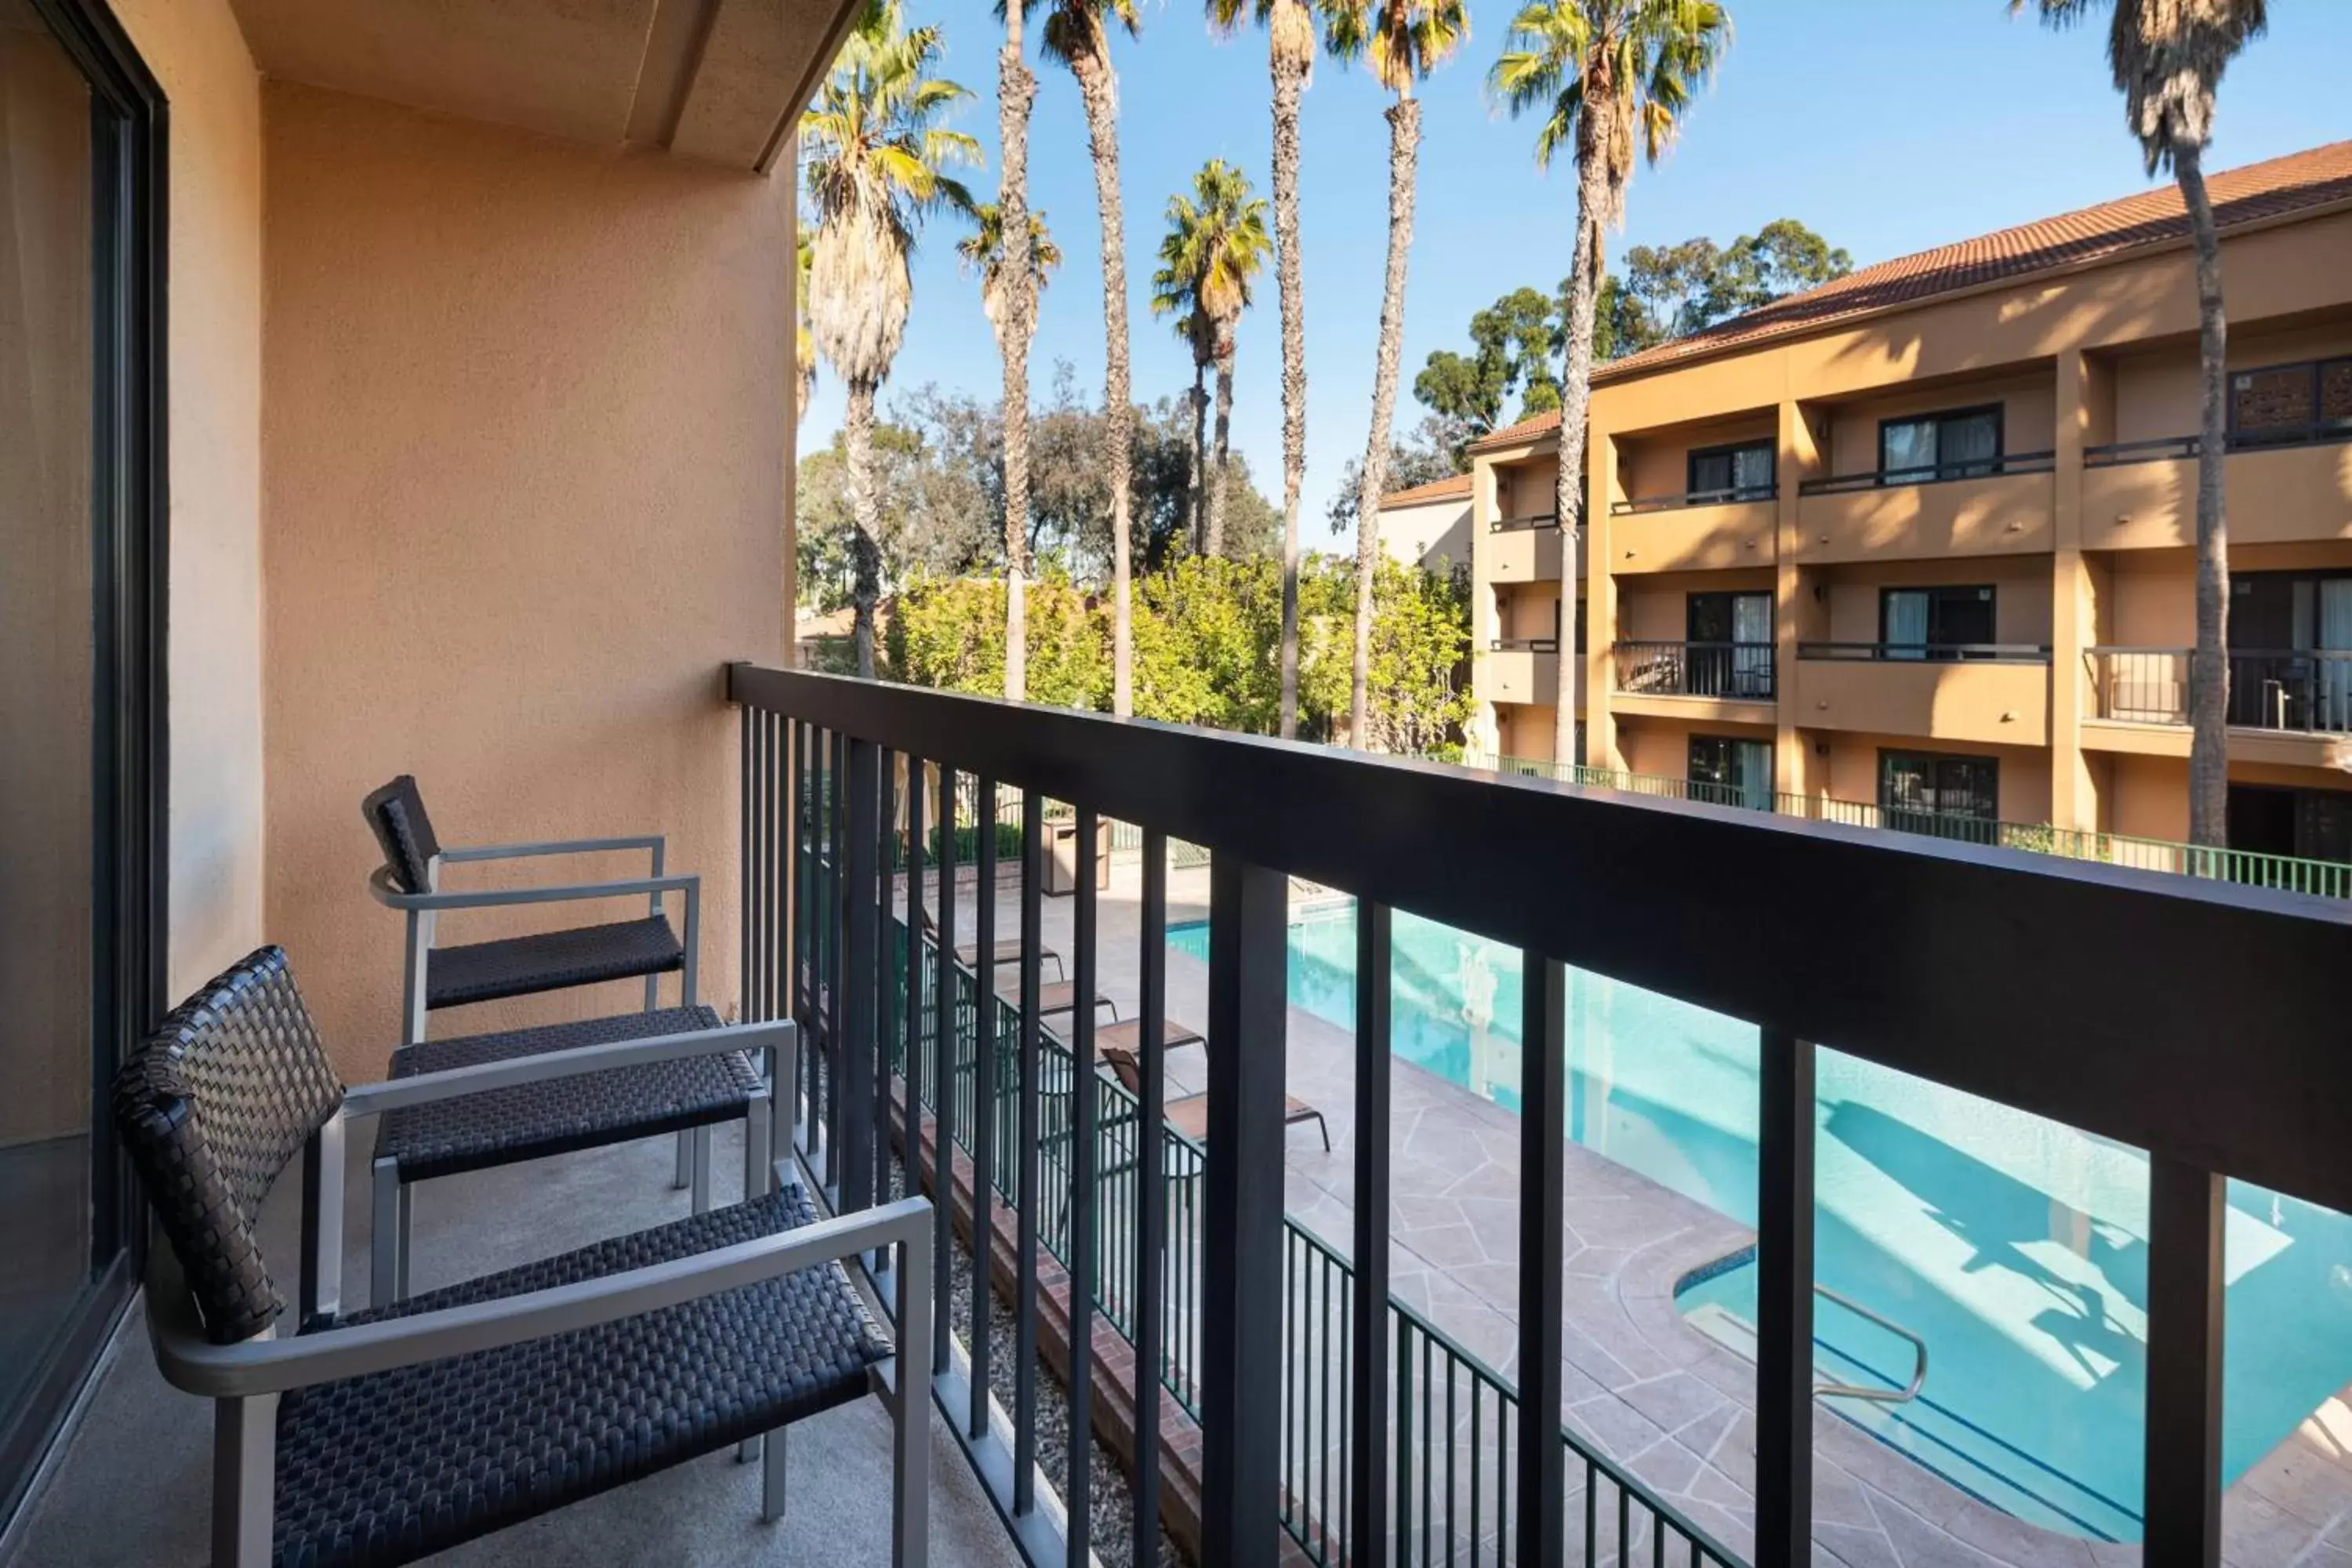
{"x":1061,"y":855}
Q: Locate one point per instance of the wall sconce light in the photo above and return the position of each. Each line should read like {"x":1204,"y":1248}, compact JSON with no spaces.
{"x":1821,"y":592}
{"x":1820,"y":748}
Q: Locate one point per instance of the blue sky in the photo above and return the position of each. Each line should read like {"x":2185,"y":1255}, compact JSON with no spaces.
{"x":1889,"y":126}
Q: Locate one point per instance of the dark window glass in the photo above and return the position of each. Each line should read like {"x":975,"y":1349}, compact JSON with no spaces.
{"x":2287,"y":402}
{"x":1940,"y":446}
{"x":1722,"y":472}
{"x":1948,"y":796}
{"x":2311,"y":824}
{"x":1934,"y":623}
{"x":1727,"y":771}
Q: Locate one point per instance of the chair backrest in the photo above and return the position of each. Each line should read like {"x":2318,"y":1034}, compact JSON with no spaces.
{"x":395,"y":814}
{"x":1123,"y":1064}
{"x":216,"y":1103}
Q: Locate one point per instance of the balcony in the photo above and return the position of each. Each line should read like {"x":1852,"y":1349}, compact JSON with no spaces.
{"x":2288,"y":487}
{"x":1684,"y":675}
{"x":1520,"y":669}
{"x":1998,"y":506}
{"x":1997,"y":692}
{"x":2286,"y":705}
{"x":1699,"y":531}
{"x":1523,"y":549}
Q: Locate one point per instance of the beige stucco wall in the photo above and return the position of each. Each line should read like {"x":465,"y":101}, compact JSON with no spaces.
{"x":2155,"y":389}
{"x":526,"y":442}
{"x":1434,"y":536}
{"x":217,"y":774}
{"x":1659,"y":465}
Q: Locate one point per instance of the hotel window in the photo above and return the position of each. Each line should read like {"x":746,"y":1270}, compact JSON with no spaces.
{"x":1725,"y":771}
{"x":1935,"y":623}
{"x":1946,"y":797}
{"x":1742,"y":621}
{"x":1740,"y":472}
{"x":2290,"y":402}
{"x":1962,"y":443}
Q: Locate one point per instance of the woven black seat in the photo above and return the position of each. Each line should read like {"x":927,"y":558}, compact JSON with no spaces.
{"x":551,"y":960}
{"x":529,"y":1121}
{"x":394,"y":1467}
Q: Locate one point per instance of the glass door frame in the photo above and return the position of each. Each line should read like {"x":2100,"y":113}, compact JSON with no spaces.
{"x":129,"y":817}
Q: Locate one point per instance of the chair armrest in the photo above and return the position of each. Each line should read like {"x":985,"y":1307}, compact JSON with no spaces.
{"x":258,"y":1366}
{"x":380,"y":884}
{"x":375,"y":1098}
{"x":652,"y":841}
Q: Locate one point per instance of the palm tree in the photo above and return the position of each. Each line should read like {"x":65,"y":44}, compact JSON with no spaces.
{"x":1405,"y":40}
{"x":1290,"y":56}
{"x":1078,"y":34}
{"x":873,"y":163}
{"x":1215,"y":246}
{"x":2168,"y":57}
{"x":985,"y":251}
{"x":804,"y":342}
{"x":1608,"y":76}
{"x":1016,"y":91}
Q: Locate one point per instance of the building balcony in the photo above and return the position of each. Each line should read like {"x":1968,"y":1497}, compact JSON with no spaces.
{"x":2286,"y":705}
{"x":1702,"y":532}
{"x":2285,"y":488}
{"x":1520,"y":669}
{"x":1997,"y":692}
{"x":1999,"y":506}
{"x":1730,"y":672}
{"x":1522,"y":550}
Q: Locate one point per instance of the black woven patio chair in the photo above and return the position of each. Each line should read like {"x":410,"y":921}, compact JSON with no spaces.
{"x":380,"y":1437}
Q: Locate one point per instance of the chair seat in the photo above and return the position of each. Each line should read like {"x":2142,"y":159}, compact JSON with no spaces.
{"x":551,"y":960}
{"x":390,"y":1467}
{"x":530,"y":1120}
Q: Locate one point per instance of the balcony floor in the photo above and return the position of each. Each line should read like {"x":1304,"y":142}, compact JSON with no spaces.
{"x":1639,"y":1383}
{"x":133,"y":1485}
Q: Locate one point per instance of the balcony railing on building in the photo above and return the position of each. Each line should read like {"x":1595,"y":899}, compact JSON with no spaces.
{"x":2292,"y":691}
{"x":1533,"y":520}
{"x":1324,"y":1406}
{"x":1525,"y":645}
{"x":1931,"y":473}
{"x":1740,"y":671}
{"x":1731,"y":496}
{"x":1927,"y":652}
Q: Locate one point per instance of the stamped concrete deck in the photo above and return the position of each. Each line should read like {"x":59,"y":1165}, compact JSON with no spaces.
{"x":1647,"y":1389}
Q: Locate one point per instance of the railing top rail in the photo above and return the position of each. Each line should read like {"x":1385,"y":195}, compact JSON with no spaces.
{"x":1932,"y":473}
{"x":1735,"y":495}
{"x":1525,"y":645}
{"x":1916,"y":652}
{"x":2116,"y":650}
{"x":2158,"y":448}
{"x":1683,"y":642}
{"x":2226,"y":1051}
{"x":1518,"y":524}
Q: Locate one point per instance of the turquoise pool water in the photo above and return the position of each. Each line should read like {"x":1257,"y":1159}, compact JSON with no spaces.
{"x":2016,"y":1247}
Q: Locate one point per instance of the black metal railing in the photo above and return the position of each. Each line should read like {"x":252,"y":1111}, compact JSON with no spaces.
{"x":1740,"y":670}
{"x":1932,"y":473}
{"x":2176,"y":448}
{"x":1525,"y":645}
{"x":1927,"y":652}
{"x":1521,"y":525}
{"x":1733,"y":496}
{"x":1960,"y":989}
{"x":2298,"y":690}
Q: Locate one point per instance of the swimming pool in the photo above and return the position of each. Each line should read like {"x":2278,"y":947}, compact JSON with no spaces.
{"x":2016,"y":1247}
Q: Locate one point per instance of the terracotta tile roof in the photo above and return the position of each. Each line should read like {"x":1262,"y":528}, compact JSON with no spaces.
{"x":1447,"y":488}
{"x":2256,"y":194}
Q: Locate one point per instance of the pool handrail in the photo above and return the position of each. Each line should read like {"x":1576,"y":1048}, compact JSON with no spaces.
{"x":1903,"y":1395}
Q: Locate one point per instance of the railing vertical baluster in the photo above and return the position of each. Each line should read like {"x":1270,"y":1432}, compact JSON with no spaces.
{"x":810,"y":919}
{"x":837,"y":941}
{"x":910,"y":1155}
{"x":1081,"y":1247}
{"x":783,"y":833}
{"x":1151,"y":1194}
{"x":946,"y":1028}
{"x":2185,"y":1207}
{"x":1403,"y":1447}
{"x":1026,"y":1197}
{"x":1543,"y":1166}
{"x":1367,"y":1396}
{"x":884,"y":975}
{"x":1784,"y":1304}
{"x":854,"y":1005}
{"x":1241,"y":1295}
{"x":753,"y":721}
{"x":983,"y":1096}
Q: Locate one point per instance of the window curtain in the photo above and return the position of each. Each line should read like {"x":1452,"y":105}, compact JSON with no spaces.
{"x":1752,"y":630}
{"x":1967,"y":444}
{"x":1754,"y":765}
{"x":1907,"y":624}
{"x":2334,"y":683}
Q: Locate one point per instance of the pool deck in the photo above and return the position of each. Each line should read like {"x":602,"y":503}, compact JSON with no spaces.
{"x":1640,"y":1384}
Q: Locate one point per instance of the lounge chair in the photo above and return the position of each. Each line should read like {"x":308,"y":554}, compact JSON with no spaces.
{"x":1129,"y":1036}
{"x":1188,"y":1114}
{"x":384,"y":1436}
{"x":1003,"y":953}
{"x":1058,"y":999}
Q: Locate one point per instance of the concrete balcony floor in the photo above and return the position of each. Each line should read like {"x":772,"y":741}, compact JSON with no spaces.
{"x":133,"y":1485}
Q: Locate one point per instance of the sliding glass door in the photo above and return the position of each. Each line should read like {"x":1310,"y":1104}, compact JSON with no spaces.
{"x":79,"y":621}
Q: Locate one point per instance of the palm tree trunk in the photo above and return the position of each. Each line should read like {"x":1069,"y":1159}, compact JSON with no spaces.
{"x":1404,"y":146}
{"x":1197,"y":514}
{"x":1016,"y":88}
{"x":1291,"y":36}
{"x":865,"y":511}
{"x":2208,"y":665}
{"x":1100,"y":95}
{"x":1220,"y":466}
{"x":1576,"y":386}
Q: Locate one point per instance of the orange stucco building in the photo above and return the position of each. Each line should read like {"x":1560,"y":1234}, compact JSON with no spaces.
{"x":1921,"y":539}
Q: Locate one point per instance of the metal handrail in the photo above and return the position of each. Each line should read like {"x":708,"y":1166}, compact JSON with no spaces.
{"x":1525,"y":645}
{"x":1729,"y":495}
{"x":1876,"y":1395}
{"x":1533,"y":520}
{"x":2169,"y":449}
{"x":1932,"y":473}
{"x":1929,"y":653}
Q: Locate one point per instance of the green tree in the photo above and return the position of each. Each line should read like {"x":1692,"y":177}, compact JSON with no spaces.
{"x":1215,"y":246}
{"x":1608,"y":77}
{"x":2166,"y":58}
{"x":873,"y":161}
